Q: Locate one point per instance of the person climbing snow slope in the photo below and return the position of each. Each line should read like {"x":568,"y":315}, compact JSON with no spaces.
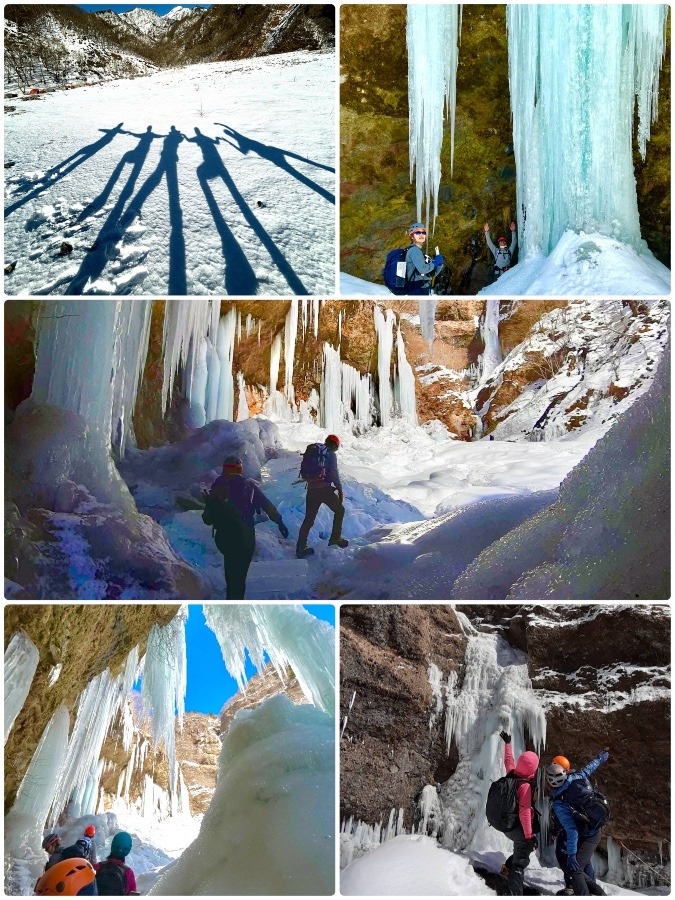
{"x":502,"y":256}
{"x":113,"y":876}
{"x":319,"y":470}
{"x":230,"y":509}
{"x":522,"y":834}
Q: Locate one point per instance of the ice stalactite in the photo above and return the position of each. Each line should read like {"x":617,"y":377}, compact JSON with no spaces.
{"x":433,"y":52}
{"x":316,"y":306}
{"x":345,"y":394}
{"x":405,"y":383}
{"x":242,"y":406}
{"x":164,"y":685}
{"x":496,"y":694}
{"x":303,"y":316}
{"x":427,"y":313}
{"x":492,"y":354}
{"x":97,"y":707}
{"x":225,"y":385}
{"x":25,"y":821}
{"x":290,"y":335}
{"x":288,"y":635}
{"x":213,"y":366}
{"x":384,"y":324}
{"x":195,"y":390}
{"x":331,"y":389}
{"x":186,"y":324}
{"x":275,"y":358}
{"x":250,"y":323}
{"x":575,"y":72}
{"x":21,"y":661}
{"x":238,"y":326}
{"x":90,"y":357}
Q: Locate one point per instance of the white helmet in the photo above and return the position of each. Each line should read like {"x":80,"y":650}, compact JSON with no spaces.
{"x":555,"y":775}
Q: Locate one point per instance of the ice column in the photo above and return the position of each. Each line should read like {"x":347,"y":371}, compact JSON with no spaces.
{"x":186,"y":324}
{"x":213,"y":367}
{"x":316,"y":305}
{"x":384,"y":327}
{"x":225,"y":347}
{"x":290,"y":335}
{"x":25,"y":821}
{"x":275,"y":357}
{"x":288,"y":635}
{"x":242,"y":408}
{"x":405,"y":383}
{"x":433,"y":52}
{"x":331,"y":389}
{"x":89,"y":359}
{"x":575,"y":71}
{"x":21,"y":661}
{"x":427,"y":311}
{"x":492,"y":354}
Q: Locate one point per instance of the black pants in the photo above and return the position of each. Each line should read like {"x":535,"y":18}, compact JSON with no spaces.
{"x":418,"y":289}
{"x":581,"y":883}
{"x":237,"y":547}
{"x":561,"y":856}
{"x":316,"y":495}
{"x":519,"y":861}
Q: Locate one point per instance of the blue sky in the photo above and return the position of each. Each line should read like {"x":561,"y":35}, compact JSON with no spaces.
{"x":209,"y":684}
{"x":159,"y":8}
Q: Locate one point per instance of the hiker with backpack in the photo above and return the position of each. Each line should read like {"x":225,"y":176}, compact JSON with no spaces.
{"x":583,"y":812}
{"x":510,"y":809}
{"x":502,"y":256}
{"x":230,"y":509}
{"x":52,"y":844}
{"x":410,"y":271}
{"x":72,"y":877}
{"x":113,"y":876}
{"x":319,"y":471}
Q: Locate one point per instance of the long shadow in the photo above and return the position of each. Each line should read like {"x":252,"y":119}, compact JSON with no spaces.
{"x":279,"y":157}
{"x":56,"y":173}
{"x":213,"y":167}
{"x":117,"y":221}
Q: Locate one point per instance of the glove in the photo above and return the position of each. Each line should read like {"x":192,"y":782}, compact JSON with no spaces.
{"x":505,"y":737}
{"x":283,"y":530}
{"x":572,"y":864}
{"x":438,"y":260}
{"x":604,"y":756}
{"x":533,"y":842}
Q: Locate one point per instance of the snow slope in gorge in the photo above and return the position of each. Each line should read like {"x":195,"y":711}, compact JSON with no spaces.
{"x":216,"y":178}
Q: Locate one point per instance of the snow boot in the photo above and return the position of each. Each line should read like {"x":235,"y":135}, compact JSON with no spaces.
{"x":338,"y":542}
{"x":303,"y":552}
{"x":566,"y":892}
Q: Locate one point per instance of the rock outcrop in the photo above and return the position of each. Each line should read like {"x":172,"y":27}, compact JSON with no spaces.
{"x":259,"y":688}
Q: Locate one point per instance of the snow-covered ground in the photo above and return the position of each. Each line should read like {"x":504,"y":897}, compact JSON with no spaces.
{"x":213,"y":179}
{"x":580,"y":265}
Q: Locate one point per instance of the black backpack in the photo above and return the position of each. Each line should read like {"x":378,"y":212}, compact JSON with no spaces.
{"x":501,"y":809}
{"x":111,"y":879}
{"x":221,"y":514}
{"x":394,"y":271}
{"x":313,"y":465}
{"x":78,"y":850}
{"x":587,"y":803}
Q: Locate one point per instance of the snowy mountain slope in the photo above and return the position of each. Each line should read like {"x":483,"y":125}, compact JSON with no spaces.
{"x":199,"y":196}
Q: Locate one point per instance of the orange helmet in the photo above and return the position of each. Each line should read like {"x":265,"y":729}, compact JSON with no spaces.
{"x":90,"y":831}
{"x":334,"y":439}
{"x":67,"y":878}
{"x":562,"y":761}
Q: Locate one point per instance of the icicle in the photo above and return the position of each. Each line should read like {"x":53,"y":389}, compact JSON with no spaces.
{"x":259,"y":329}
{"x":288,"y":635}
{"x":574,"y":72}
{"x":275,"y":357}
{"x":290,"y":335}
{"x":316,"y":305}
{"x":225,"y":347}
{"x":242,"y":408}
{"x":195,"y":389}
{"x":331,"y":390}
{"x":433,"y":53}
{"x":304,"y":317}
{"x":238,"y":326}
{"x":186,"y":323}
{"x":21,"y":661}
{"x":492,"y":354}
{"x":25,"y":821}
{"x":406,"y":383}
{"x":340,"y":327}
{"x":385,"y":340}
{"x":427,"y":311}
{"x":213,"y":365}
{"x":249,"y":324}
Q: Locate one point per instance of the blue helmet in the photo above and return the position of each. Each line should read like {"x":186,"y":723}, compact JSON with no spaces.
{"x":416,"y":225}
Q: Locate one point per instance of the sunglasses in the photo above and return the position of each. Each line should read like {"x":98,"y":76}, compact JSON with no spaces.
{"x":420,"y":232}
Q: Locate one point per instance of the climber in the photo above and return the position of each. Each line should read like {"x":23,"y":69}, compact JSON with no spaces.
{"x":89,"y":833}
{"x":230,"y":509}
{"x":420,"y":269}
{"x":83,"y":847}
{"x":319,"y":470}
{"x":73,"y":877}
{"x":52,"y":844}
{"x":524,"y":841}
{"x":557,"y":833}
{"x":582,"y":812}
{"x":501,"y":254}
{"x":113,"y":876}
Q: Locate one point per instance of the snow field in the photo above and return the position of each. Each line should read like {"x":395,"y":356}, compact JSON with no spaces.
{"x":187,"y":181}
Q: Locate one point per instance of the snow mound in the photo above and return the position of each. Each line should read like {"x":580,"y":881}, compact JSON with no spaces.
{"x":351,"y":286}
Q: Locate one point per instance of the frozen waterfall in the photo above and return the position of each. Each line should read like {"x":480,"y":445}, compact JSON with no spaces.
{"x":21,"y":660}
{"x":575,"y":72}
{"x":427,"y":312}
{"x":384,"y":324}
{"x":492,"y":354}
{"x":345,"y":395}
{"x":433,"y":52}
{"x":405,"y":383}
{"x":290,"y":335}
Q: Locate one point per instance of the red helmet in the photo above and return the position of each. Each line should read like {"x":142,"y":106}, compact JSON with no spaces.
{"x":90,"y":831}
{"x":501,"y":238}
{"x":334,"y":439}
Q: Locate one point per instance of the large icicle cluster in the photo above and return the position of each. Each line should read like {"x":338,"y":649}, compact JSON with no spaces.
{"x":575,"y":71}
{"x":384,"y":324}
{"x":433,"y":52}
{"x":186,"y":324}
{"x":288,"y":635}
{"x":405,"y":383}
{"x":21,"y":661}
{"x":492,"y":354}
{"x":345,"y":395}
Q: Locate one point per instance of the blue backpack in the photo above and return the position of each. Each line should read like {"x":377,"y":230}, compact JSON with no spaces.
{"x":395,"y":271}
{"x":313,"y":465}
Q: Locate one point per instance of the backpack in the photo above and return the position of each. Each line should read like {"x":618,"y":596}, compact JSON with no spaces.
{"x":394,"y":271}
{"x":313,"y":465}
{"x":501,"y":809}
{"x":111,"y":879}
{"x":588,"y":804}
{"x":79,"y":850}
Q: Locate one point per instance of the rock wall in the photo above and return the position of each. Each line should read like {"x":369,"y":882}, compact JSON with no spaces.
{"x":259,"y":688}
{"x":197,"y":751}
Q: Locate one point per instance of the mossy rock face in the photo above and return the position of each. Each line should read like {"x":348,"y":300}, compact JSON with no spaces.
{"x":377,"y":199}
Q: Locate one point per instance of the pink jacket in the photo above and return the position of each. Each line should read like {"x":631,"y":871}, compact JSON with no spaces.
{"x":526,"y":767}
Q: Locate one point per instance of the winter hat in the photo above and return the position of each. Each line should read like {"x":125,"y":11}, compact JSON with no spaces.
{"x":121,"y":845}
{"x":501,"y":239}
{"x":233,"y":466}
{"x":90,"y":831}
{"x":527,"y":765}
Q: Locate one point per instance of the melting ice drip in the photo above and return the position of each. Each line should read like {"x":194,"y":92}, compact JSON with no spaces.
{"x":492,"y":354}
{"x":574,"y":73}
{"x":433,"y":38}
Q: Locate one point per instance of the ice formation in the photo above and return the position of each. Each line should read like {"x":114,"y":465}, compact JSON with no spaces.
{"x":225,"y":387}
{"x":21,"y":660}
{"x":405,"y":383}
{"x":270,"y":826}
{"x":242,"y":407}
{"x":427,"y":313}
{"x":288,"y":635}
{"x":492,"y":354}
{"x":433,"y":53}
{"x":574,"y":72}
{"x":275,"y":359}
{"x":384,"y":324}
{"x":290,"y":334}
{"x":186,"y":324}
{"x":345,"y":394}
